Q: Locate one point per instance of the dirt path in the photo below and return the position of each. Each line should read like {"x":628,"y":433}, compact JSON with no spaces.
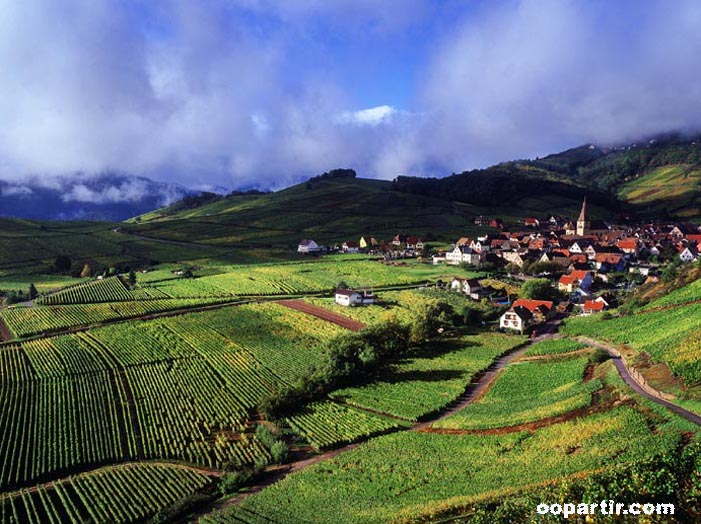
{"x":5,"y":333}
{"x":323,"y":313}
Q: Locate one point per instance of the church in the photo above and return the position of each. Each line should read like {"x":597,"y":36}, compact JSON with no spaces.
{"x":585,"y":227}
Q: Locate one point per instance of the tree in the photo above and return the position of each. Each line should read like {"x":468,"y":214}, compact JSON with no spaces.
{"x":538,"y":289}
{"x":132,"y":278}
{"x":62,"y":264}
{"x":86,"y":272}
{"x":33,"y":293}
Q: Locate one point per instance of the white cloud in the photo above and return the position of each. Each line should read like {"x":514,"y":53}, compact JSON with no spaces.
{"x":373,"y":116}
{"x":216,"y":93}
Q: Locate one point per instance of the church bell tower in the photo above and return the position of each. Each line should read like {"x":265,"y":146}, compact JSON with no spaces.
{"x":582,"y":222}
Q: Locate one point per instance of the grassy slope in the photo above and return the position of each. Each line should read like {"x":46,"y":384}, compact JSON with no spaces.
{"x":333,"y":211}
{"x":676,"y":188}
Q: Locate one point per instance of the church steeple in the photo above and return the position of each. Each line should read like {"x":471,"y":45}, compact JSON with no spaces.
{"x":582,"y":222}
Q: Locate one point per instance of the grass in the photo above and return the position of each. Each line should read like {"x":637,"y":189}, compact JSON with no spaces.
{"x":526,"y":392}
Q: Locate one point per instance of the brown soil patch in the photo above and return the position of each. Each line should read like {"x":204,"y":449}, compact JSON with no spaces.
{"x":323,"y":313}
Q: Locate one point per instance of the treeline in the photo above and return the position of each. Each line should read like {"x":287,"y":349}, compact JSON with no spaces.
{"x":500,"y":185}
{"x":606,"y":170}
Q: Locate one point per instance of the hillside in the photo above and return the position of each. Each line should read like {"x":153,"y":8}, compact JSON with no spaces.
{"x":338,"y":209}
{"x":656,"y":176}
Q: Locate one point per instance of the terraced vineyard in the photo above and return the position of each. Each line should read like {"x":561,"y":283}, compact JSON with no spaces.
{"x":142,"y":490}
{"x":108,"y":290}
{"x":24,"y":322}
{"x":176,"y":388}
{"x":526,"y":392}
{"x":671,"y":336}
{"x":433,"y":475}
{"x":327,"y":424}
{"x":554,"y":347}
{"x":427,"y":382}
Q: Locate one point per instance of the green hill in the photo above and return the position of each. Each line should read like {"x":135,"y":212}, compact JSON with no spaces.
{"x":338,"y":209}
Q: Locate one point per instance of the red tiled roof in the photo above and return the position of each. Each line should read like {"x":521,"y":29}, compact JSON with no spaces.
{"x":593,"y":305}
{"x":532,"y":305}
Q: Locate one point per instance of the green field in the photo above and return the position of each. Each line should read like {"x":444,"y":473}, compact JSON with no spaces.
{"x":526,"y":392}
{"x":674,"y":188}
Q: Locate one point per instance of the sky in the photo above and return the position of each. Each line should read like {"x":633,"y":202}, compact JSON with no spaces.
{"x":264,"y":93}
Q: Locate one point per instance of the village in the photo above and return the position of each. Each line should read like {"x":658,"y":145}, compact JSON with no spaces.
{"x":589,"y":264}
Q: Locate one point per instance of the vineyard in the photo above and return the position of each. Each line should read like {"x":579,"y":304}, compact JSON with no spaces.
{"x":108,"y":290}
{"x":24,"y":322}
{"x":670,"y":336}
{"x":284,"y":279}
{"x":526,"y":392}
{"x":554,"y":347}
{"x":141,"y":491}
{"x":426,"y":383}
{"x":409,"y":475}
{"x":175,"y":388}
{"x":327,"y":424}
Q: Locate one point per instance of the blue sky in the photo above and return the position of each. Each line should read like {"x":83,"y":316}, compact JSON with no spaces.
{"x":263,"y":93}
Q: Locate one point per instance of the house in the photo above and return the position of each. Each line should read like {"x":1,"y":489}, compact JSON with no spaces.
{"x":609,"y":262}
{"x":539,"y":309}
{"x":414,"y":243}
{"x":513,"y":257}
{"x":629,"y":246}
{"x":462,"y":255}
{"x":308,"y":246}
{"x":516,"y":319}
{"x":575,"y":279}
{"x":688,"y":253}
{"x":398,"y":240}
{"x":532,"y":222}
{"x":350,"y":247}
{"x":593,"y":306}
{"x":469,"y":286}
{"x":463,"y":241}
{"x":350,"y":297}
{"x":496,"y":223}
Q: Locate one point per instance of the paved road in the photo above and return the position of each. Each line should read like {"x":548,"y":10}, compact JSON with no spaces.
{"x":629,"y":379}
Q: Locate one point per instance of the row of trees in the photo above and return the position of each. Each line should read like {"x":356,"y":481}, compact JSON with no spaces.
{"x":351,"y":358}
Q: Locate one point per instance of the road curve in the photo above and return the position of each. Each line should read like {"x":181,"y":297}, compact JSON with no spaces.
{"x":630,"y":380}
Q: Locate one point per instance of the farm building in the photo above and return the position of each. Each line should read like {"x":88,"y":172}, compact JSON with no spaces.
{"x":351,"y":297}
{"x":307,"y":246}
{"x":516,"y":319}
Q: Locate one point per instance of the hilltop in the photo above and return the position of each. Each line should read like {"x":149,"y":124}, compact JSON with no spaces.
{"x":333,"y":209}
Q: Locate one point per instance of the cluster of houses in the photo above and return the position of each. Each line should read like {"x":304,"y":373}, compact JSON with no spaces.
{"x":399,"y":246}
{"x":582,"y":252}
{"x":581,"y":246}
